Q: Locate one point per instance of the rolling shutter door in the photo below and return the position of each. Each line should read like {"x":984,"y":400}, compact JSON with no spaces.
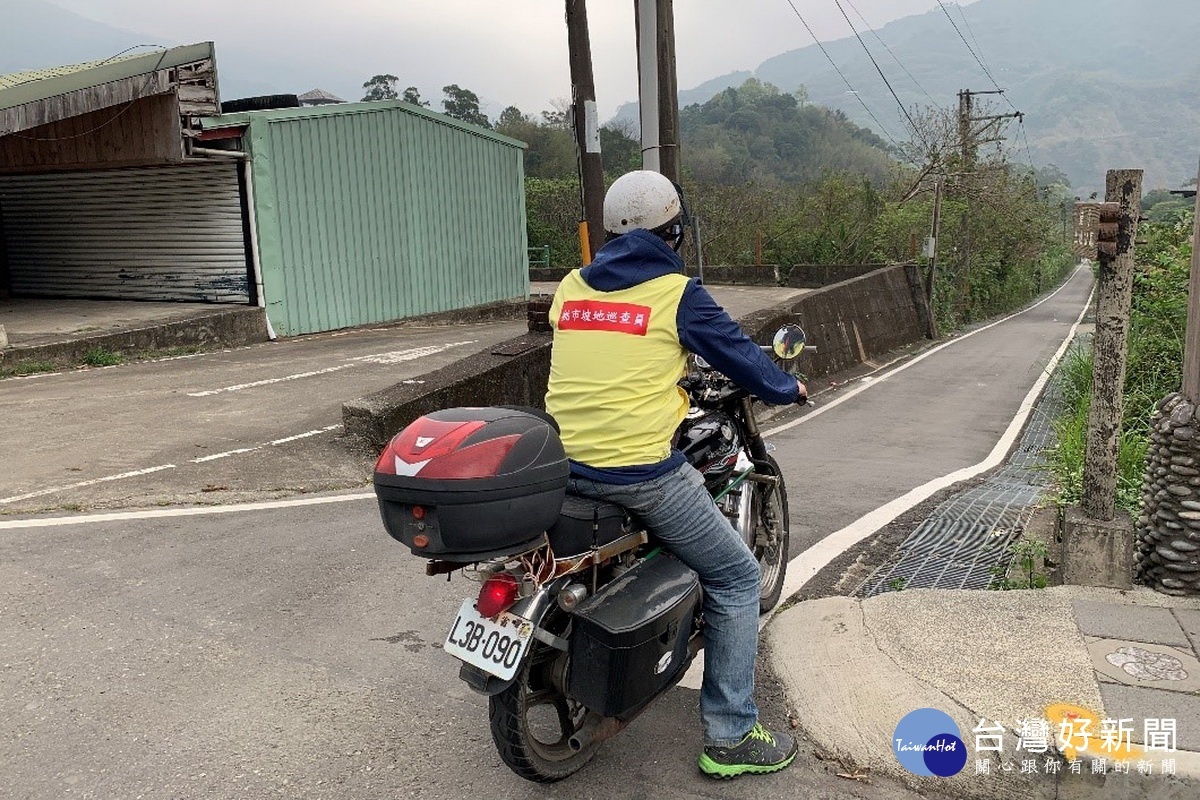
{"x":157,"y":233}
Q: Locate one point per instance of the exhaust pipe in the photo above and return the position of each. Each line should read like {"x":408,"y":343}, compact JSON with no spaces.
{"x":595,"y":729}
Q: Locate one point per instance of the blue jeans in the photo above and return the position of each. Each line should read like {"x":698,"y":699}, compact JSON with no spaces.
{"x":682,"y":515}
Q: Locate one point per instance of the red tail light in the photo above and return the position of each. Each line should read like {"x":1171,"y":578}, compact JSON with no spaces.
{"x":498,"y":593}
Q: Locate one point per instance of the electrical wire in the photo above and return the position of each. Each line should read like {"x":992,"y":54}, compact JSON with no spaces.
{"x":967,"y":44}
{"x":893,"y":55}
{"x":836,"y":69}
{"x":915,"y":130}
{"x":149,"y":79}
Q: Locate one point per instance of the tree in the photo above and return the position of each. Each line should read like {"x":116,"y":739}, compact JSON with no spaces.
{"x":463,"y":104}
{"x":411,"y":95}
{"x":381,"y":87}
{"x":559,"y":115}
{"x":510,"y":118}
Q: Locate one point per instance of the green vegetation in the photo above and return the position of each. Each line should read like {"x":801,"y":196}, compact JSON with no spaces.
{"x":1029,"y":556}
{"x":22,"y":368}
{"x":96,"y":357}
{"x":102,"y":357}
{"x":1154,"y":369}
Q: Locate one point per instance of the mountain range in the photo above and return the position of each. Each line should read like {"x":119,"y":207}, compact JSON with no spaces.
{"x":1101,"y":84}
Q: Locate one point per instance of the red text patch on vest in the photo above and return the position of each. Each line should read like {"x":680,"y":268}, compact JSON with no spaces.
{"x":600,"y":315}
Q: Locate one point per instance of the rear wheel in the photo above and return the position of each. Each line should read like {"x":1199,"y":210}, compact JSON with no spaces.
{"x":769,"y":518}
{"x":533,"y":720}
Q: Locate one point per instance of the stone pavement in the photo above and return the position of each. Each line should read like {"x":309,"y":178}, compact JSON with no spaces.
{"x":997,"y":663}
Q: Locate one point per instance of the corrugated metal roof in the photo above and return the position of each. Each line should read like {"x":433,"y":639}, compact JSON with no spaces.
{"x":338,"y":109}
{"x":31,"y":86}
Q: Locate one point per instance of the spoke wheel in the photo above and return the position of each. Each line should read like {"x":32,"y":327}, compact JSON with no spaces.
{"x":533,"y":720}
{"x":769,"y":512}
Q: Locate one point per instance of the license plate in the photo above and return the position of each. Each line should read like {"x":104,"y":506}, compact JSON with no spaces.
{"x":494,"y":646}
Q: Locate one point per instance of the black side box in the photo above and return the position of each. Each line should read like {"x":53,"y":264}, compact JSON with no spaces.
{"x":584,"y":524}
{"x":468,"y":484}
{"x":630,"y":638}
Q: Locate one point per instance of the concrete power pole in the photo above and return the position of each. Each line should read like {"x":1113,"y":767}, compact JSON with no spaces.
{"x":1110,"y":347}
{"x":587,"y":130}
{"x":1097,"y":540}
{"x":1191,"y":347}
{"x":658,"y":86}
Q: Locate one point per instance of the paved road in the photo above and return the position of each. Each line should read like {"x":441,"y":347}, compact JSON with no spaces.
{"x":294,"y":651}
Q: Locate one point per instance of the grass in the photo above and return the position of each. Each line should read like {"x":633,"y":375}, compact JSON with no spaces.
{"x":22,"y":368}
{"x":1065,"y":458}
{"x":96,"y":357}
{"x":102,"y":357}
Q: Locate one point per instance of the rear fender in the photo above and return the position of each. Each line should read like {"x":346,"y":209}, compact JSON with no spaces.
{"x":534,"y":609}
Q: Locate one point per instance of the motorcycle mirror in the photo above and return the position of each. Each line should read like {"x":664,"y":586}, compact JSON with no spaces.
{"x":789,"y":341}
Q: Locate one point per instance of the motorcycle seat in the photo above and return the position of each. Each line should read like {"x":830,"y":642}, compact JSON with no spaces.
{"x":584,"y":524}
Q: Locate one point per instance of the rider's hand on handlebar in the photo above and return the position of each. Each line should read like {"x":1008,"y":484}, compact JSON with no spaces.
{"x":803,"y":398}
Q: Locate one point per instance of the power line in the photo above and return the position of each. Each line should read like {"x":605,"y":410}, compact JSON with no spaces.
{"x":978,"y":60}
{"x":916,"y":131}
{"x":963,"y":15}
{"x":882,"y":127}
{"x":893,"y":55}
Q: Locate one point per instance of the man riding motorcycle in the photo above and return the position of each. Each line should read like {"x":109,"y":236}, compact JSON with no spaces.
{"x":623,"y":326}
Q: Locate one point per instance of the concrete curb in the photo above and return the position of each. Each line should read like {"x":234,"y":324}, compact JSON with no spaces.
{"x":853,"y":669}
{"x":235,"y":327}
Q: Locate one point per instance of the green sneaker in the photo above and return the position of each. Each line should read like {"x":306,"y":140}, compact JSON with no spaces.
{"x":761,"y":751}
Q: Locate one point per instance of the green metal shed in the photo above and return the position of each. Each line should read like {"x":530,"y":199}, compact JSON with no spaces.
{"x":369,"y":212}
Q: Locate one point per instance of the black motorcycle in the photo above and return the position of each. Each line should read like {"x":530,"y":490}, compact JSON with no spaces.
{"x":581,"y":619}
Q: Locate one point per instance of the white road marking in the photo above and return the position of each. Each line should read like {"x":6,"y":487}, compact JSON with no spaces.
{"x":161,"y":513}
{"x":306,"y":434}
{"x":269,"y":381}
{"x":91,"y":482}
{"x":139,"y":472}
{"x":802,"y":567}
{"x":872,"y":380}
{"x":394,"y":357}
{"x":805,"y":565}
{"x":226,"y":454}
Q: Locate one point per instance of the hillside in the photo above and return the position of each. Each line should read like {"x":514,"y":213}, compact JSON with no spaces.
{"x":1103,"y":84}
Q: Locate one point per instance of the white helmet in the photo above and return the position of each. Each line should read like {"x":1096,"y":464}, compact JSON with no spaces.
{"x":642,"y":199}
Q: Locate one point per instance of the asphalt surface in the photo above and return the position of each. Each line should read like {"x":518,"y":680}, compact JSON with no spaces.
{"x":294,"y":650}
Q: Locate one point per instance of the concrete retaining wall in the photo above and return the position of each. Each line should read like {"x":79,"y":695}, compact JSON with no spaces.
{"x":849,"y":322}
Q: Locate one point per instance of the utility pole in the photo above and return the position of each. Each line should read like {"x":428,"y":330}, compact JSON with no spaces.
{"x":668,"y":92}
{"x":935,"y":227}
{"x":1191,"y":346}
{"x":1123,"y":200}
{"x":969,"y":142}
{"x":587,"y":131}
{"x":658,"y":86}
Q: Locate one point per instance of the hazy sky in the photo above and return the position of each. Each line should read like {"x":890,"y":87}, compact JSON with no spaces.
{"x":509,"y":52}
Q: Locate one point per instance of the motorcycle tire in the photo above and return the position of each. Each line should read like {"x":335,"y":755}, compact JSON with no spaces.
{"x":771,"y":546}
{"x":533,"y":719}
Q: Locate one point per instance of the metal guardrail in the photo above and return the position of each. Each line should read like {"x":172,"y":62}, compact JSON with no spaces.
{"x":539,"y":256}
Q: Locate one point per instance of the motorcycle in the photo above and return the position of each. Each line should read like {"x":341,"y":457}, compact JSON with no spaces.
{"x":581,"y":620}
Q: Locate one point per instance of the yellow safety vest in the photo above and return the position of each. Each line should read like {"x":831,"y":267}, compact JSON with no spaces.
{"x":614,"y":370}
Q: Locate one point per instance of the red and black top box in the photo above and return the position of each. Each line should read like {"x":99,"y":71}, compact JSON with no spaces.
{"x":470,"y":484}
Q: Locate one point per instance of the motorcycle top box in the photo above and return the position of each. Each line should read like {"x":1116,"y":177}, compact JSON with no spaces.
{"x":469,"y":484}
